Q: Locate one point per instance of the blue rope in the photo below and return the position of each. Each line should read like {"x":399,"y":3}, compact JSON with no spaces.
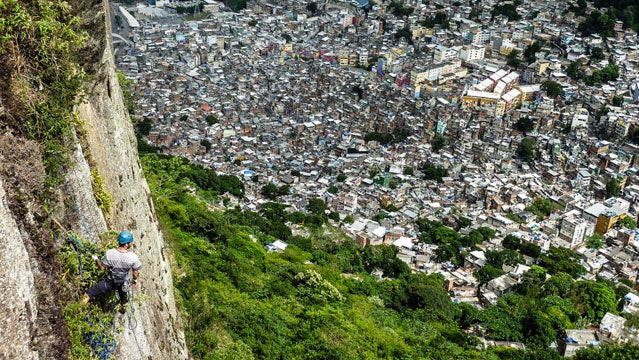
{"x":78,"y":247}
{"x":102,"y":345}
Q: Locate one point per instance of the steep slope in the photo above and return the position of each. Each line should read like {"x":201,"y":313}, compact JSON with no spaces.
{"x":30,"y":299}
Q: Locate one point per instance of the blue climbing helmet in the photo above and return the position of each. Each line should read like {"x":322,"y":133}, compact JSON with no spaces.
{"x":125,"y":237}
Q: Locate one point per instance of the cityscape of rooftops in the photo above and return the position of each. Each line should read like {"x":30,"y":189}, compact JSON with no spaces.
{"x":517,"y":116}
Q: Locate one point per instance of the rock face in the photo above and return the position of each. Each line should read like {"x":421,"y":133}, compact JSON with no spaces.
{"x":17,"y":290}
{"x":112,"y":145}
{"x":32,"y":326}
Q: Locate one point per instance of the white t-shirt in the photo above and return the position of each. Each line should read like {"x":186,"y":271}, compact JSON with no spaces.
{"x":120,"y":264}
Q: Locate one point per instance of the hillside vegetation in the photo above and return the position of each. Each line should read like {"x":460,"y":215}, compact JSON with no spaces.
{"x":316,"y":299}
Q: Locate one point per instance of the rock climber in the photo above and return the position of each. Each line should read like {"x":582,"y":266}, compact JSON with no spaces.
{"x":119,"y":261}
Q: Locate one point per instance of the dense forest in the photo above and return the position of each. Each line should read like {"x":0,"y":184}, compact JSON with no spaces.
{"x":603,"y":22}
{"x":317,"y":299}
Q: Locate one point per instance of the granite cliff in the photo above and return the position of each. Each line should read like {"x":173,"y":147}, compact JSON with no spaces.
{"x":31,"y":298}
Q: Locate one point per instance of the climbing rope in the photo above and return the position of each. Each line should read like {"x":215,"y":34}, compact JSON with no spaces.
{"x":133,"y":322}
{"x":79,"y":249}
{"x":103,"y":345}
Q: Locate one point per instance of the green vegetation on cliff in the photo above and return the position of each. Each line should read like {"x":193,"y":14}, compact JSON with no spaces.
{"x":40,"y":81}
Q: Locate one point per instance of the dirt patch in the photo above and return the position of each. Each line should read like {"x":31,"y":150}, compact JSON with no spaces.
{"x":21,"y":164}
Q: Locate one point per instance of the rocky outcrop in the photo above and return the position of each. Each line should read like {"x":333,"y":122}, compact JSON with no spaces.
{"x":30,"y":307}
{"x":112,"y":146}
{"x":17,"y":289}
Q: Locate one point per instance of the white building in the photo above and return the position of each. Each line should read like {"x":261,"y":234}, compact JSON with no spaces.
{"x":472,"y":53}
{"x":575,"y":229}
{"x":443,"y":53}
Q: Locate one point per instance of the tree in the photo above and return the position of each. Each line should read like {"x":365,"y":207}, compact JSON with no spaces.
{"x":617,"y":100}
{"x":531,"y":50}
{"x":508,"y":10}
{"x":144,"y":127}
{"x":609,"y":73}
{"x":487,"y":273}
{"x":341,"y":177}
{"x":399,"y":10}
{"x":463,"y":222}
{"x":404,"y":33}
{"x":210,"y":119}
{"x":494,"y":258}
{"x":595,"y":241}
{"x":627,"y":222}
{"x":558,"y":284}
{"x":439,"y":142}
{"x":333,"y":189}
{"x":487,"y":233}
{"x":552,"y":88}
{"x":316,"y":206}
{"x":206,"y":143}
{"x":541,"y":207}
{"x":532,"y":280}
{"x":574,"y":70}
{"x":530,"y":249}
{"x":593,"y":299}
{"x":512,"y":257}
{"x":511,"y":242}
{"x":596,"y":54}
{"x":613,"y":188}
{"x":597,"y":23}
{"x":504,"y":320}
{"x":296,"y":217}
{"x":445,"y":235}
{"x":272,"y":191}
{"x":374,"y":170}
{"x":312,"y":7}
{"x":512,"y":58}
{"x":527,"y":149}
{"x":560,"y":259}
{"x":408,"y":170}
{"x":525,"y":124}
{"x":627,"y":351}
{"x":432,"y":172}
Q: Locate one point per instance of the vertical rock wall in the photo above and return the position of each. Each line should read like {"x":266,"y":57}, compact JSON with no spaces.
{"x":31,"y":322}
{"x":17,"y":291}
{"x":112,"y":145}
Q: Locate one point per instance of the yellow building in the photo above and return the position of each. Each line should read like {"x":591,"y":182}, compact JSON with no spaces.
{"x":607,"y":220}
{"x":500,"y":108}
{"x":506,"y":49}
{"x":343,"y":59}
{"x":419,"y":32}
{"x":288,"y":47}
